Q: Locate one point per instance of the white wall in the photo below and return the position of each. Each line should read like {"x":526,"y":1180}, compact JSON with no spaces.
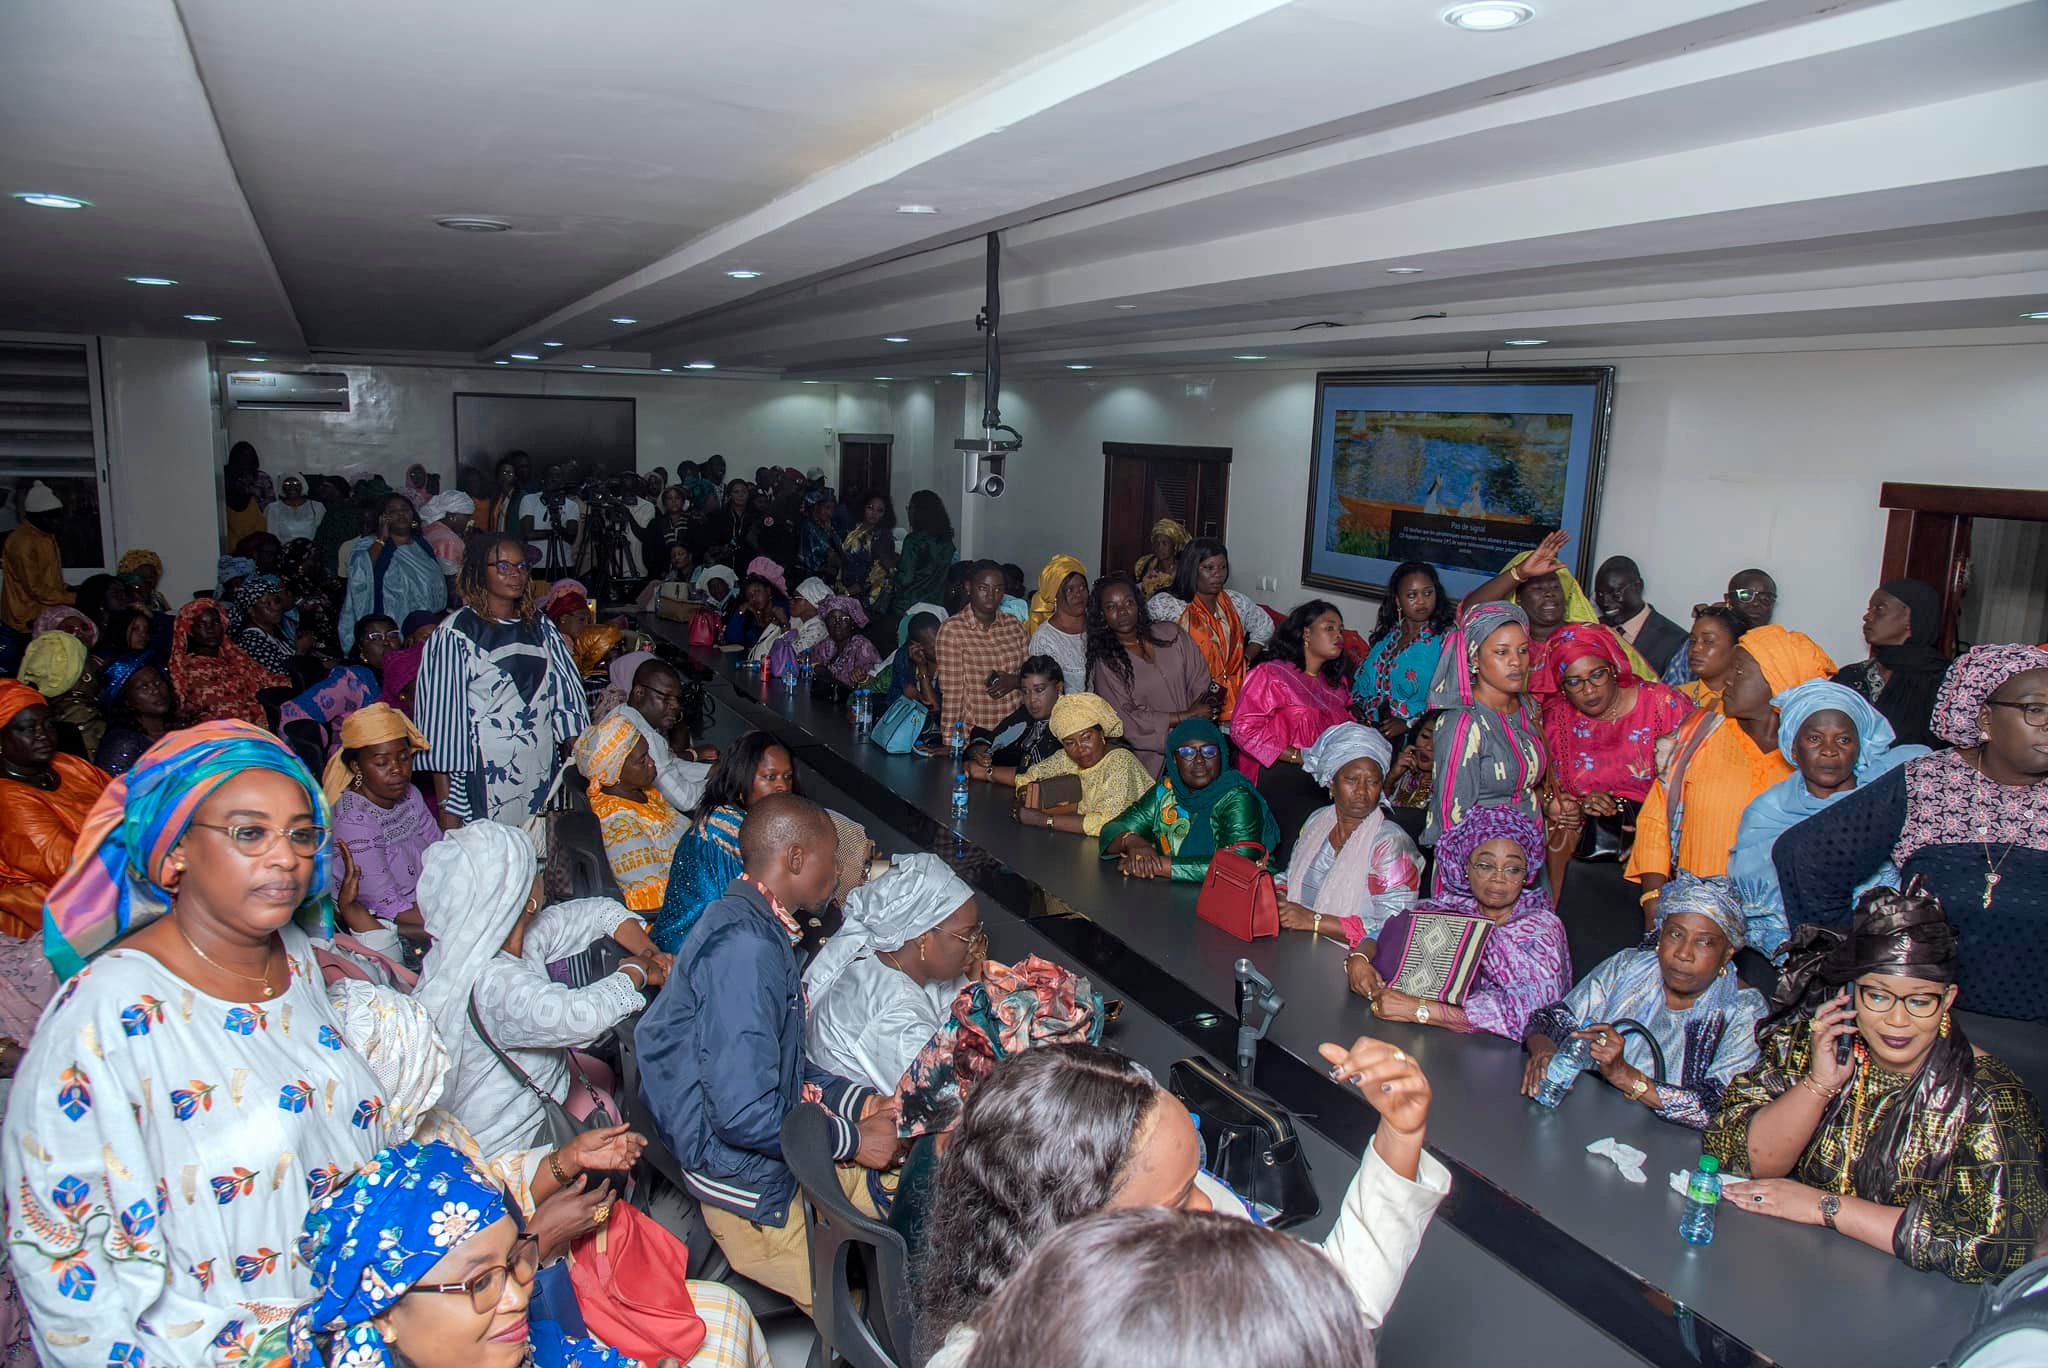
{"x":161,"y":462}
{"x":1717,"y":462}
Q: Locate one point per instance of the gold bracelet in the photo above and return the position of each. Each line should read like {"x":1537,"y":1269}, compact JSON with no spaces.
{"x":1817,"y":1090}
{"x":555,"y":1167}
{"x":1515,"y":574}
{"x":1316,"y":930}
{"x":1647,"y":894}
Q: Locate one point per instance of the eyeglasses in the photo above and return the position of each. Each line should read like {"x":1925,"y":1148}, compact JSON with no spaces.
{"x":1878,"y":1001}
{"x":505,"y":567}
{"x":1207,"y":750}
{"x":252,"y":840}
{"x":486,"y":1288}
{"x":978,"y":936}
{"x":1512,"y":869}
{"x":2036,"y":714}
{"x":379,"y":636}
{"x":1592,"y":678}
{"x":1753,"y":595}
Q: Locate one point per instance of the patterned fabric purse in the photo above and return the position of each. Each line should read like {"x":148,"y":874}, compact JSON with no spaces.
{"x":1431,"y":955}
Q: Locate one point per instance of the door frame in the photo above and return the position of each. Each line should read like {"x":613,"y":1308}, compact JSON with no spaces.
{"x":1154,"y":451}
{"x":1927,"y":535}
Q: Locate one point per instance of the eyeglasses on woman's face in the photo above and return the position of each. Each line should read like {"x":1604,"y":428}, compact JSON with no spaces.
{"x":1511,"y":869}
{"x":1592,"y":679}
{"x":2034,"y":714}
{"x":388,"y":638}
{"x":486,"y":1287}
{"x":254,"y":841}
{"x":1206,"y":750}
{"x":509,"y":567}
{"x":1878,"y":1001}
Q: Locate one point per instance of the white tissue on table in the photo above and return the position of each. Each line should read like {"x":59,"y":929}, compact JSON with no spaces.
{"x":1627,"y":1159}
{"x":1681,"y":1183}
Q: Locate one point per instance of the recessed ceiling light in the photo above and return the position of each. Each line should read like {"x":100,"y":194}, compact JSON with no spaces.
{"x":501,"y":363}
{"x":1490,"y":16}
{"x":1124,"y":308}
{"x":202,"y":318}
{"x":625,"y":322}
{"x":469,"y":223}
{"x":590,"y":365}
{"x":962,"y":374}
{"x":1249,"y":356}
{"x":526,"y":356}
{"x":668,"y":370}
{"x":2037,"y":315}
{"x":551,"y":344}
{"x":151,"y":280}
{"x":744,"y":275}
{"x":241,"y":341}
{"x":916,"y":209}
{"x":43,"y":199}
{"x":700,"y":365}
{"x":1527,"y":342}
{"x":1404,"y":270}
{"x":895,"y":339}
{"x":255,"y":358}
{"x":1079,"y":365}
{"x":810,"y":382}
{"x":885,"y":379}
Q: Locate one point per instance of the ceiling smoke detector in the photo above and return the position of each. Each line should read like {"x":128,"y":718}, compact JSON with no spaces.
{"x":470,"y":223}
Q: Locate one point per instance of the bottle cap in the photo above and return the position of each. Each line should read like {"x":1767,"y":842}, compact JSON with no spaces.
{"x":1709,"y":1164}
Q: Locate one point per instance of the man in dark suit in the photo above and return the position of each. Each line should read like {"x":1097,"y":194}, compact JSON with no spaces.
{"x":1618,"y":593}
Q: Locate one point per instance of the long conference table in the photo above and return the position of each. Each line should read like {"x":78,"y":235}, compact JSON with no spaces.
{"x":1542,"y":1253}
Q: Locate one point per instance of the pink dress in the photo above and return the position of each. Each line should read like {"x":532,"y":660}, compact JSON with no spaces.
{"x":1279,"y":707}
{"x":1620,"y":757}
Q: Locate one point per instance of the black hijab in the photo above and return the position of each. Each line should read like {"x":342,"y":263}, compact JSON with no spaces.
{"x":1917,"y":667}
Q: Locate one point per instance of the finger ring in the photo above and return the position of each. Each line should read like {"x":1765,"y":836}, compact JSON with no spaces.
{"x":1758,"y":1198}
{"x":604,"y":1213}
{"x":1398,"y":1056}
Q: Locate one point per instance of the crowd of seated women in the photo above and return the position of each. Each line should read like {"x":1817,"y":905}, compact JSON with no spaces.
{"x":310,"y":1081}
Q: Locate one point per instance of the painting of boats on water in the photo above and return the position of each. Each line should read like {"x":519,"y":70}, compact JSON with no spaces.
{"x":1463,"y":472}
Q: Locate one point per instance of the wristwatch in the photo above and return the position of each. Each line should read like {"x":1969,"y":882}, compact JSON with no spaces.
{"x":1422,"y":1014}
{"x":1638,"y":1088}
{"x":1830,"y":1207}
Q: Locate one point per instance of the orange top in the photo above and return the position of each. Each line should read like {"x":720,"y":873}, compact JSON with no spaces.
{"x":1219,"y":635}
{"x":37,"y":830}
{"x":1725,"y":774}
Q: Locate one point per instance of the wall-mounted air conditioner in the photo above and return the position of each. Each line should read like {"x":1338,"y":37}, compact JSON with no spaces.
{"x":261,"y":389}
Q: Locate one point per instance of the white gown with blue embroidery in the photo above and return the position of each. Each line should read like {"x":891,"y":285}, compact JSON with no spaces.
{"x":162,"y":1147}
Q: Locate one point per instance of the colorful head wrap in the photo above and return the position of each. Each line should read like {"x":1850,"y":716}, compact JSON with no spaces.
{"x":117,"y":674}
{"x":1077,"y":712}
{"x":53,"y":663}
{"x":65,"y":618}
{"x":562,"y":605}
{"x":841,"y":603}
{"x":1785,"y":656}
{"x":591,"y":645}
{"x":376,"y":1235}
{"x":1494,"y":822}
{"x":1173,"y":532}
{"x":120,"y":877}
{"x":1714,"y":898}
{"x":1977,"y":674}
{"x":602,"y":750}
{"x":912,"y":896}
{"x":1340,"y":745}
{"x":771,"y":571}
{"x":1452,"y":685}
{"x":370,"y":725}
{"x":138,"y":559}
{"x":1049,"y":581}
{"x":559,"y":589}
{"x":16,"y":698}
{"x":1576,"y":641}
{"x":230,"y":568}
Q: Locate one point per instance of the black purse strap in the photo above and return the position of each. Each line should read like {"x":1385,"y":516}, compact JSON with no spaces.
{"x":547,"y":1102}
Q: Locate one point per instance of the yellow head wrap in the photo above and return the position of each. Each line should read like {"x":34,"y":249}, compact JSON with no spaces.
{"x":53,"y":663}
{"x":1049,"y":581}
{"x":602,"y":750}
{"x":1173,"y":532}
{"x":1077,"y":712}
{"x":367,"y":726}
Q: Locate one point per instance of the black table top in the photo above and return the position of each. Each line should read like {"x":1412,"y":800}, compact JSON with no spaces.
{"x":1525,"y":1192}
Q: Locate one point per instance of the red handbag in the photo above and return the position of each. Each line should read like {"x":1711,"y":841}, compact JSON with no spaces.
{"x":632,"y":1285}
{"x":1238,"y":895}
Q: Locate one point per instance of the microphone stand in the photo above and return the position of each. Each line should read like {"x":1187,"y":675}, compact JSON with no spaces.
{"x":1255,"y":994}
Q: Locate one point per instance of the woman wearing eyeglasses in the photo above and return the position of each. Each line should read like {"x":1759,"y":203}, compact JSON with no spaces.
{"x":1871,"y":1113}
{"x":184,"y":1102}
{"x":1203,"y":804}
{"x":1971,"y":821}
{"x":499,"y":695}
{"x":1601,"y":725}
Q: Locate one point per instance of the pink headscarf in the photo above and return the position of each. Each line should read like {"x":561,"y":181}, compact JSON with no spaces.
{"x":770,"y":571}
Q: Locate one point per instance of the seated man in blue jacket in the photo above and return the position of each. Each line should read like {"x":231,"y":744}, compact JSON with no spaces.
{"x":722,"y":1052}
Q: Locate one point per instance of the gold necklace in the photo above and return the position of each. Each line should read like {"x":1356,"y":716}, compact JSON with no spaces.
{"x":263,"y":978}
{"x":1991,"y":875}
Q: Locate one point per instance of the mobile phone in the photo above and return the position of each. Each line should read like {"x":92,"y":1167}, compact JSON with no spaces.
{"x":1845,"y":1047}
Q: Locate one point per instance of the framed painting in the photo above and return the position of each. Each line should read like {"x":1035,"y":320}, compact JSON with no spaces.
{"x":1462,"y":469}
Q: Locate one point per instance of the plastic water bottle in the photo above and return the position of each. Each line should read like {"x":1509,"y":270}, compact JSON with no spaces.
{"x":789,"y":680}
{"x":956,"y":742}
{"x":1702,"y":1195}
{"x":860,"y":712}
{"x":1569,"y":1060}
{"x":959,"y":793}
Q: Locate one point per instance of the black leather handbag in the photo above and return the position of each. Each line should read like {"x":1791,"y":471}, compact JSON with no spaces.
{"x":1608,"y":840}
{"x":1248,"y":1140}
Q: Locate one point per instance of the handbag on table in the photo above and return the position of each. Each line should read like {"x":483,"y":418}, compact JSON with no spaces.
{"x":1431,"y":955}
{"x":1238,"y":895}
{"x":900,"y":725}
{"x":1248,"y":1140}
{"x":1061,"y":793}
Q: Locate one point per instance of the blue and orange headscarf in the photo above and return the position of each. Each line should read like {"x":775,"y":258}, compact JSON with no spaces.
{"x":120,"y":864}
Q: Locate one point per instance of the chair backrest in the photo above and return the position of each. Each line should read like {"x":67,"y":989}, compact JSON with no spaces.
{"x":581,"y":842}
{"x":840,"y":1235}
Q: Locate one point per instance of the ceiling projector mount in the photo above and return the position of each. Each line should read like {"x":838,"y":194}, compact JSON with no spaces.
{"x":981,"y":458}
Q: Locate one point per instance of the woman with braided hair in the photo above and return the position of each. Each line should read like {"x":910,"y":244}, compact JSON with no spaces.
{"x":498,"y":695}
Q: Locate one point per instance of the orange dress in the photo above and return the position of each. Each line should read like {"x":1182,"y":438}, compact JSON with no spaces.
{"x":37,"y":830}
{"x":1727,"y":771}
{"x":1220,"y":637}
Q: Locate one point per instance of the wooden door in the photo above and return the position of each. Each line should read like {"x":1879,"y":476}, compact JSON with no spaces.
{"x":1927,"y":536}
{"x":864,"y":464}
{"x":1144,"y":482}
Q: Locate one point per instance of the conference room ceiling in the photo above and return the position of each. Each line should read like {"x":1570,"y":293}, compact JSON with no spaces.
{"x":1177,"y":182}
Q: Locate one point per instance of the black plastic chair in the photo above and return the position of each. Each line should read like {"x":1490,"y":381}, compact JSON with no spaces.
{"x":582,"y":843}
{"x":871,"y":1331}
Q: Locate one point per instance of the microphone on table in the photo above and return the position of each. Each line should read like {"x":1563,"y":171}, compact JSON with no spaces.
{"x":1254,"y":991}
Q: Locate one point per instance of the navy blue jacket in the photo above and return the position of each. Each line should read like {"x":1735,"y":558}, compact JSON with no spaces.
{"x":721,"y":1056}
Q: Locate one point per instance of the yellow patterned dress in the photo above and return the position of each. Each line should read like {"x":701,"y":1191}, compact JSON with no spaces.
{"x":639,"y":842}
{"x":1969,"y":1180}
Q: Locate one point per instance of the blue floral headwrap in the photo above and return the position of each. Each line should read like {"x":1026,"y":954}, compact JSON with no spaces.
{"x":375,"y":1236}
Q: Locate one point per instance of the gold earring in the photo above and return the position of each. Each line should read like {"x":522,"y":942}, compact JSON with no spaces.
{"x":920,"y":949}
{"x":178,"y":863}
{"x":1944,"y":1025}
{"x":1722,"y":972}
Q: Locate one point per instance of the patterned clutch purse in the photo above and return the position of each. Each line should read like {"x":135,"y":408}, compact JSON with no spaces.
{"x":1431,"y":955}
